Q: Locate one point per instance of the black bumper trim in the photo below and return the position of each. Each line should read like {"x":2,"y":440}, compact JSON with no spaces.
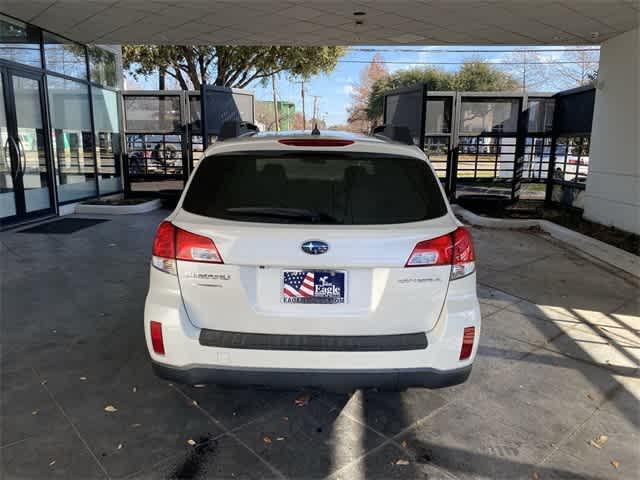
{"x":313,"y":343}
{"x":390,"y":379}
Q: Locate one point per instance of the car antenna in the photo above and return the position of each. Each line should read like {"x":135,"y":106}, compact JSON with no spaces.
{"x":315,"y":130}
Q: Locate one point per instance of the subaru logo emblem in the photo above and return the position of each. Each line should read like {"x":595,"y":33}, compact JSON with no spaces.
{"x":314,"y":247}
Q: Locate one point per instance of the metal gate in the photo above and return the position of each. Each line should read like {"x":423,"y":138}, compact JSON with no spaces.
{"x":163,"y":133}
{"x":498,"y":143}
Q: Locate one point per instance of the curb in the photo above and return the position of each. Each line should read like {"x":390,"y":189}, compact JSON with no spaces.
{"x":602,"y":251}
{"x":119,"y":209}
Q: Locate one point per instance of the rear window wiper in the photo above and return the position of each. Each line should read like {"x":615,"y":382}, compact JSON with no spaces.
{"x":302,"y":214}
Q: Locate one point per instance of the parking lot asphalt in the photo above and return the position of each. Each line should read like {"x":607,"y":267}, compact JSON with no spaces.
{"x":553,"y":394}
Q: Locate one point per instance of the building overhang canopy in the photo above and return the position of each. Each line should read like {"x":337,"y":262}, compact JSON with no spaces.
{"x":330,"y":22}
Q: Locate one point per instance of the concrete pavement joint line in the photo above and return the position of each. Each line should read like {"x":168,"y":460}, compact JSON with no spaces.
{"x":77,"y":432}
{"x":389,"y":440}
{"x":570,"y":435}
{"x":271,"y":467}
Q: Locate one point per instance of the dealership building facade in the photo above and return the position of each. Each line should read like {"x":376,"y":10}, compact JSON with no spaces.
{"x":59,"y":122}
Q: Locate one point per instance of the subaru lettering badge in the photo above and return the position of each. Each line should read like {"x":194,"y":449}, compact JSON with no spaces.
{"x":314,"y":247}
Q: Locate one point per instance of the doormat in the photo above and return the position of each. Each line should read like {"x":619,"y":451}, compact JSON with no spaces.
{"x":64,"y":225}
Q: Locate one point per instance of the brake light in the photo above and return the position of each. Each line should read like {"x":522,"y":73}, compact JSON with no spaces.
{"x":196,"y":248}
{"x":156,"y":337}
{"x":172,"y":243}
{"x":315,"y":142}
{"x":464,"y":257}
{"x":455,"y":249}
{"x":468,"y":338}
{"x":437,"y":251}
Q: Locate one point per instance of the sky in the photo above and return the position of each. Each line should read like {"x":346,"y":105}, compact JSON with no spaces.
{"x":335,"y":89}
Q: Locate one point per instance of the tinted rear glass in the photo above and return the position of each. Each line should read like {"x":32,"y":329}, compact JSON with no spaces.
{"x":319,"y":188}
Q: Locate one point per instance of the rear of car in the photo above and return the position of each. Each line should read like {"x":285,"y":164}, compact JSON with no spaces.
{"x":313,"y":260}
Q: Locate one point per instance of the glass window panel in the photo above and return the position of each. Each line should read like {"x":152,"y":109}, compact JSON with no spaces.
{"x":438,"y":116}
{"x":152,"y":113}
{"x":19,"y":42}
{"x":195,"y":113}
{"x":107,"y":125}
{"x":102,"y":66}
{"x":540,"y":115}
{"x":72,"y":138}
{"x":483,"y":115}
{"x":64,"y":56}
{"x":7,"y":196}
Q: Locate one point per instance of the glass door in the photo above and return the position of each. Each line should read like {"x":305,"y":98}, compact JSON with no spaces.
{"x":8,"y":161}
{"x":26,"y":146}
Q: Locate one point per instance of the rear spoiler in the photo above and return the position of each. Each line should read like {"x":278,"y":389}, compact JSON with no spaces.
{"x":393,"y":132}
{"x":234,"y":129}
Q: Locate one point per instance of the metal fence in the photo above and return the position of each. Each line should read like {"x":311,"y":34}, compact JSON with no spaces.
{"x":164,"y":133}
{"x":513,"y":145}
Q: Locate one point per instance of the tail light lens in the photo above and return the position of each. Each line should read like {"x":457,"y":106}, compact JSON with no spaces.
{"x":468,"y":338}
{"x":172,"y":243}
{"x":455,"y":249}
{"x":156,"y":337}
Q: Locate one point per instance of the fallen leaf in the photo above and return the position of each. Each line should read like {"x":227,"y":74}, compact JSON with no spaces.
{"x":599,"y":441}
{"x":136,"y":425}
{"x":119,"y":447}
{"x":303,"y":399}
{"x":404,"y":444}
{"x":535,"y":476}
{"x":52,"y":463}
{"x":195,"y":403}
{"x":110,"y":409}
{"x":191,"y":442}
{"x":134,"y":389}
{"x":280,"y":439}
{"x":615,"y":464}
{"x":590,"y":397}
{"x":199,"y":385}
{"x":43,"y":382}
{"x":286,"y":419}
{"x":402,"y":461}
{"x":83,"y":378}
{"x":35,"y":412}
{"x":266,"y":439}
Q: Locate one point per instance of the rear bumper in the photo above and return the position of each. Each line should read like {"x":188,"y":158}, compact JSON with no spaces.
{"x":389,"y":379}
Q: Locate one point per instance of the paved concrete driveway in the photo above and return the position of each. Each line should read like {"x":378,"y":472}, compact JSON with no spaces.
{"x":557,"y":369}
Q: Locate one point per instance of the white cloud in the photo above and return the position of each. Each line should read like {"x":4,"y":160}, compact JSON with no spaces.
{"x":349,"y":89}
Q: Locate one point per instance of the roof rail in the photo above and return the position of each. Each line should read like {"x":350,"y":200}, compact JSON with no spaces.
{"x":392,"y":132}
{"x":234,"y":129}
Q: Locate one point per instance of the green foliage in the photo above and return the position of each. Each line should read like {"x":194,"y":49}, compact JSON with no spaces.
{"x":228,"y":66}
{"x":472,"y":76}
{"x":476,"y":76}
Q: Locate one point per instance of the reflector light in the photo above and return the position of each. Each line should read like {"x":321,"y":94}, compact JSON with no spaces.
{"x":315,"y":142}
{"x":468,"y":338}
{"x":156,"y":338}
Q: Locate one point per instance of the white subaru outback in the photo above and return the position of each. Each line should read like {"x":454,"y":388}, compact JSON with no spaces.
{"x":327,"y":260}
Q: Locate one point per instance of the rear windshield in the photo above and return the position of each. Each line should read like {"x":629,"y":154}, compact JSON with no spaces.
{"x":315,"y":188}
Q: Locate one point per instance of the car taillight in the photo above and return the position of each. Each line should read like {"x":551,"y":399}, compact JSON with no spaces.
{"x":156,"y":337}
{"x":172,"y":243}
{"x":464,"y":257}
{"x":455,"y":249}
{"x":468,"y":338}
